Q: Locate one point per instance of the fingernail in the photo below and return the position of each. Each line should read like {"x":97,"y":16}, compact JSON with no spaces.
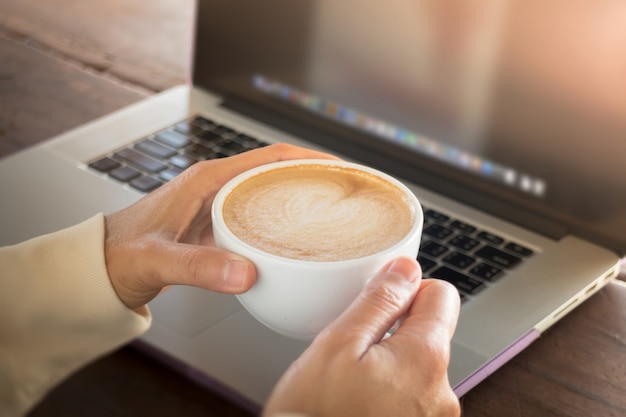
{"x":235,"y":273}
{"x":405,"y":268}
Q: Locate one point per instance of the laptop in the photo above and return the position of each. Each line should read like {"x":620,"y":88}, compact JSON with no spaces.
{"x":516,"y":171}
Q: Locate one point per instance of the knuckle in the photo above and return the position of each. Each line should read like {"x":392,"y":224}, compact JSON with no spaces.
{"x":282,"y":150}
{"x":449,"y":288}
{"x":450,"y":406}
{"x":385,"y":296}
{"x":282,"y":147}
{"x":437,"y":347}
{"x":434,"y":349}
{"x":195,"y":266}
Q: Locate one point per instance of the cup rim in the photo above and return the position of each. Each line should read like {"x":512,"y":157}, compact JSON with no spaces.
{"x":218,"y":203}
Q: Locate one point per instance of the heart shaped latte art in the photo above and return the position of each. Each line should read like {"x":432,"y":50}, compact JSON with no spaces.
{"x":318,"y":213}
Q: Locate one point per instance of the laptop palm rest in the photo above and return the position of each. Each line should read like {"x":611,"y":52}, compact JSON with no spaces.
{"x":189,"y":311}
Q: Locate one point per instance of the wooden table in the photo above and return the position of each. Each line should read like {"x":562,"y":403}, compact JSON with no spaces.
{"x":65,"y":62}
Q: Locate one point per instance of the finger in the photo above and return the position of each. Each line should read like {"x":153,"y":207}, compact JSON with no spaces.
{"x":378,"y":306}
{"x":205,"y":267}
{"x":428,"y":330}
{"x":432,"y":317}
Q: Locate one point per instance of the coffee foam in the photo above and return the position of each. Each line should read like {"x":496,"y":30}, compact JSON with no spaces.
{"x":318,"y":213}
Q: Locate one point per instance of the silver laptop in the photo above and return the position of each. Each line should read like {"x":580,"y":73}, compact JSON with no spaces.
{"x":521,"y":178}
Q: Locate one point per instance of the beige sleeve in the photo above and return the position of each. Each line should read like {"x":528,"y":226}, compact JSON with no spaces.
{"x":58,"y":311}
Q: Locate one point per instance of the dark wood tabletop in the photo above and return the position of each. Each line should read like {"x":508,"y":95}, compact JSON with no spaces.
{"x":65,"y":62}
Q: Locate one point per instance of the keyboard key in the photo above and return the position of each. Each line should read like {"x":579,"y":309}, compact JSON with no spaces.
{"x":105,"y":164}
{"x":174,"y":139}
{"x":186,"y":128}
{"x":465,"y":243}
{"x":249,"y":141}
{"x":210,"y":137}
{"x":497,"y":256}
{"x":231,"y":147}
{"x":437,"y":231}
{"x":145,"y":183}
{"x":154,"y":149}
{"x":435,"y":216}
{"x":433,"y":249}
{"x":202,"y":122}
{"x":486,"y":272}
{"x":491,"y":238}
{"x":224,"y":130}
{"x":169,"y":174}
{"x":182,"y":161}
{"x":458,"y":260}
{"x":141,"y":161}
{"x":463,"y":227}
{"x":200,"y":151}
{"x":124,"y":173}
{"x":425,"y":263}
{"x":518,"y":249}
{"x":461,"y":281}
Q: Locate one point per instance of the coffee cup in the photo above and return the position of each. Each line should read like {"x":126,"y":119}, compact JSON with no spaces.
{"x":317,"y":231}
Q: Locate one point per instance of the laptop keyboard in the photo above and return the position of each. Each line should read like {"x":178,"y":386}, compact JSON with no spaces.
{"x":464,"y":255}
{"x":452,"y":250}
{"x":160,"y":157}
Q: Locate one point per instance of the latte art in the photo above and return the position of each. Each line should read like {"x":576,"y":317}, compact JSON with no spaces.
{"x":318,"y":213}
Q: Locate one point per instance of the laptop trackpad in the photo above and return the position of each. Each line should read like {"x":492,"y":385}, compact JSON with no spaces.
{"x":463,"y":362}
{"x":189,"y":310}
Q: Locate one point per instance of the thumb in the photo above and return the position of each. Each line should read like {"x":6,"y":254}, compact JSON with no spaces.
{"x":381,"y":303}
{"x":206,"y":267}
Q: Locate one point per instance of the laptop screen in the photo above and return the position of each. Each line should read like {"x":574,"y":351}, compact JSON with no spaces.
{"x":517,"y":107}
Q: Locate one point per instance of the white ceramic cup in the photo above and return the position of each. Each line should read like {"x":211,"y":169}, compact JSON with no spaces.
{"x":298,"y":298}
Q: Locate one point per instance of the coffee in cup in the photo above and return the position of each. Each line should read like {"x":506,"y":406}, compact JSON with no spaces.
{"x":317,"y":212}
{"x":317,"y":231}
